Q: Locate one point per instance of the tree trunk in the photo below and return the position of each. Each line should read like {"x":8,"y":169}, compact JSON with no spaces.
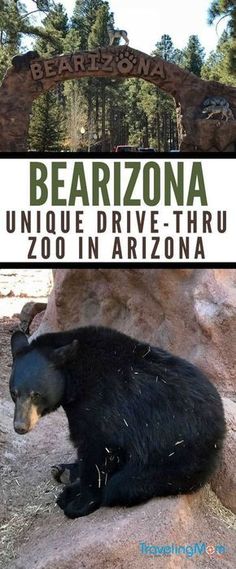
{"x":103,"y":116}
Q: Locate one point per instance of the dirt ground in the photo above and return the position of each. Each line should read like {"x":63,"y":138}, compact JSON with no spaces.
{"x":27,"y":507}
{"x":27,"y":489}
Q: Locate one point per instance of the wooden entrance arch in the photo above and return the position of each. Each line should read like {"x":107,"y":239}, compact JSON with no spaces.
{"x":206,"y":110}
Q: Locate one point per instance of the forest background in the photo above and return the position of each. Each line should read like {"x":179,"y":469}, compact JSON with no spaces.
{"x":96,"y":114}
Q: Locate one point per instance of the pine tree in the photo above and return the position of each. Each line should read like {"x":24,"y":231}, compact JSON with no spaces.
{"x":84,"y":16}
{"x":163,"y":123}
{"x":45,"y":132}
{"x":10,"y":37}
{"x":76,"y":116}
{"x":10,"y":18}
{"x":217,"y":66}
{"x":15,"y":24}
{"x":56,"y":26}
{"x":136,"y":114}
{"x":165,"y":48}
{"x":98,"y":36}
{"x":90,"y":18}
{"x":47,"y":125}
{"x":219,"y":10}
{"x":193,"y":55}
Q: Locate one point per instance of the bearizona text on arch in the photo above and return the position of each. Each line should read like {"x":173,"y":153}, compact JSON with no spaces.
{"x":206,"y":110}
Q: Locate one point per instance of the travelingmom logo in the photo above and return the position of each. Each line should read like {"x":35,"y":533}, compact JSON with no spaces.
{"x":189,"y":550}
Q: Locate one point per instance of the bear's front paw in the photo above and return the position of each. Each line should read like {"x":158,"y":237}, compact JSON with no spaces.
{"x":80,"y":506}
{"x":65,"y":473}
{"x":57,"y":472}
{"x":68,"y":494}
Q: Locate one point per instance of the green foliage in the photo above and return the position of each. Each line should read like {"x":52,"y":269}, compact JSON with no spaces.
{"x":75,"y":115}
{"x":15,"y":24}
{"x":5,"y":61}
{"x":151,"y":116}
{"x":86,"y":9}
{"x":193,"y":55}
{"x":165,"y":49}
{"x":72,"y":41}
{"x":46,"y":125}
{"x":84,"y":16}
{"x":11,"y":14}
{"x":217,"y":66}
{"x":91,"y":17}
{"x":219,"y":10}
{"x":56,"y":26}
{"x":44,"y":5}
{"x":98,"y":35}
{"x":10,"y":36}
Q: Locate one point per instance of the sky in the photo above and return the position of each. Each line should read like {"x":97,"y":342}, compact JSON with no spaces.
{"x":147,"y":20}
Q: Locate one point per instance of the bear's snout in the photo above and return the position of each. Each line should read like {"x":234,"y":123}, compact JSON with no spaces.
{"x":20,"y":428}
{"x":26,"y":416}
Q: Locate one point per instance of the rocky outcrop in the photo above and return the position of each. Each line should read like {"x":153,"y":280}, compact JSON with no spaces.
{"x":191,"y":312}
{"x":134,"y":538}
{"x":206,"y":110}
{"x":224,"y":481}
{"x":29,"y":312}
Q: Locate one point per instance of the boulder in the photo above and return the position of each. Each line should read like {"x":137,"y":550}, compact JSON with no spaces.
{"x":134,"y":538}
{"x":191,"y":312}
{"x":29,"y":312}
{"x":224,"y":480}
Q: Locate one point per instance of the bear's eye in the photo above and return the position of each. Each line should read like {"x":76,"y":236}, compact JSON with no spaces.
{"x":35,"y":397}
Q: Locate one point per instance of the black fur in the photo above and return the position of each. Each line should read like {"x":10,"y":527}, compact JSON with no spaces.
{"x":23,"y":61}
{"x":145,"y":423}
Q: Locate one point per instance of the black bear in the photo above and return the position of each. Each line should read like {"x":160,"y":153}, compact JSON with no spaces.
{"x":145,"y":423}
{"x":23,"y":61}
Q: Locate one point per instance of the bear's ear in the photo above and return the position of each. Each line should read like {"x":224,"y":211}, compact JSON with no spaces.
{"x":66,"y":353}
{"x":18,"y":341}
